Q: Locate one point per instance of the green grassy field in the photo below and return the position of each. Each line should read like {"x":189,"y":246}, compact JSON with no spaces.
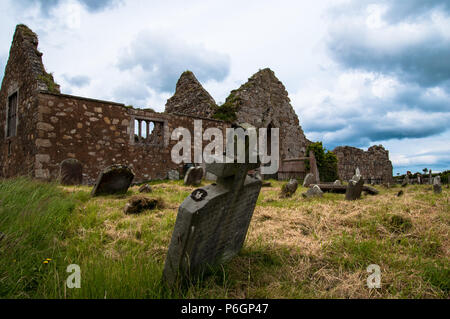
{"x":295,"y":248}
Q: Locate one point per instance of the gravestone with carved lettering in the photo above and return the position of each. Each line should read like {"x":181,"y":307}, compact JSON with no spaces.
{"x":212,"y":222}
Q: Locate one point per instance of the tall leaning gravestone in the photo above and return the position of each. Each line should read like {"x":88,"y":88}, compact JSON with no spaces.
{"x":115,"y":179}
{"x":212,"y":222}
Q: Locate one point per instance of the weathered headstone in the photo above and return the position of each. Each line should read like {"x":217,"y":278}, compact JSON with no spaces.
{"x":145,"y":189}
{"x":337,"y":182}
{"x":437,"y":187}
{"x":71,"y":172}
{"x":288,"y":189}
{"x":406,"y":181}
{"x":309,"y":179}
{"x":313,"y":167}
{"x":354,"y":189}
{"x":212,"y":222}
{"x":173,"y":175}
{"x":193,"y":176}
{"x":314,"y":191}
{"x":357,"y":175}
{"x":115,"y":179}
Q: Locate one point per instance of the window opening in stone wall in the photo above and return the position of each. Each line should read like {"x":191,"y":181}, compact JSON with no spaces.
{"x":12,"y":116}
{"x":148,"y":132}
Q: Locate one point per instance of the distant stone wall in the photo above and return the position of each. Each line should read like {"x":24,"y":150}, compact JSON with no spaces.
{"x":374,"y":164}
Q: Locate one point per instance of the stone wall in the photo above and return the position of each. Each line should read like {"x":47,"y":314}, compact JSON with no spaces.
{"x":52,"y":127}
{"x":262,"y":102}
{"x":191,"y":98}
{"x":100,"y":133}
{"x":24,"y":76}
{"x":374,"y":164}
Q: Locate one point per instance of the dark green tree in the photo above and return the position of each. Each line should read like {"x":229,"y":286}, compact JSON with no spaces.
{"x":326,"y":162}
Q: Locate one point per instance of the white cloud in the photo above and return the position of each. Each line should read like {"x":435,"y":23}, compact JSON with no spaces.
{"x":339,"y":103}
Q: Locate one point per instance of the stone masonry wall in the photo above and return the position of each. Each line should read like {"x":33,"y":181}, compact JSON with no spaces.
{"x":263,"y":102}
{"x":24,"y":75}
{"x":100,"y":133}
{"x":374,"y":164}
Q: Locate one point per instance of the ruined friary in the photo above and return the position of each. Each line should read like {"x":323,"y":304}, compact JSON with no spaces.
{"x":40,"y":127}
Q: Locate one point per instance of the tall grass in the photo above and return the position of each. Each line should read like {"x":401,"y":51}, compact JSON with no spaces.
{"x":295,"y":248}
{"x":32,"y":216}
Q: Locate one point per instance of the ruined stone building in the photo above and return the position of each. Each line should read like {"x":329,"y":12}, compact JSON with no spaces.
{"x":40,"y":127}
{"x":374,"y":164}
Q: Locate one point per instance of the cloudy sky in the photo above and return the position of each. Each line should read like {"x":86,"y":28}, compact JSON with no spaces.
{"x":358,"y":72}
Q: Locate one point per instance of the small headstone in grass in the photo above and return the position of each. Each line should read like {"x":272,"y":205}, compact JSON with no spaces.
{"x":437,"y":187}
{"x":145,"y":189}
{"x":354,"y":188}
{"x":314,"y":191}
{"x":138,"y":204}
{"x":212,"y":222}
{"x":400,"y":193}
{"x":71,"y":172}
{"x":406,"y":181}
{"x":193,"y":176}
{"x":288,"y":189}
{"x":173,"y":175}
{"x":309,"y":179}
{"x":115,"y":179}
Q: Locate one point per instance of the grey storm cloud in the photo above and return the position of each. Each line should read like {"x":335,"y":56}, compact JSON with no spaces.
{"x":401,"y":10}
{"x":419,"y":105}
{"x":424,"y":62}
{"x":397,"y":10}
{"x":77,"y":80}
{"x":162,"y":60}
{"x":91,"y":5}
{"x":409,"y":113}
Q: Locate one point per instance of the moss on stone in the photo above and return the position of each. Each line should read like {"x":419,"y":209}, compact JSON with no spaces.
{"x":26,"y":30}
{"x":49,"y":81}
{"x":227,"y":111}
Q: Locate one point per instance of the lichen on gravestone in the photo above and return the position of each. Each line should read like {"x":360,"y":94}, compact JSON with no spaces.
{"x":212,"y":222}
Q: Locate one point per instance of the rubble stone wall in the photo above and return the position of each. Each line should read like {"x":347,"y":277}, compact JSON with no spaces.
{"x":374,"y":164}
{"x":24,"y":76}
{"x":99,"y":134}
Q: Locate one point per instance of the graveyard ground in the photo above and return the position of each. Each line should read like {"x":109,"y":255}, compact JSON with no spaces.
{"x":295,"y":248}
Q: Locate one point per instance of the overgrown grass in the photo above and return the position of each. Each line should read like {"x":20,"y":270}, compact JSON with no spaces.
{"x":32,"y":217}
{"x":295,"y":247}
